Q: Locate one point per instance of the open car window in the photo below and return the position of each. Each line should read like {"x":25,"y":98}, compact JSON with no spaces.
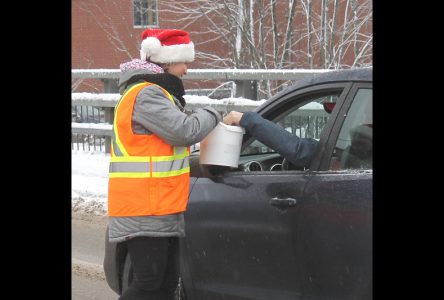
{"x":305,"y":121}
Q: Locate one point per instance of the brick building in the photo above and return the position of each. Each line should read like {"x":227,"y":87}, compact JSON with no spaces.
{"x":106,"y":33}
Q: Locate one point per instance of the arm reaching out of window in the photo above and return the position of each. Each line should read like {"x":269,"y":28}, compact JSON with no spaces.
{"x":298,"y":151}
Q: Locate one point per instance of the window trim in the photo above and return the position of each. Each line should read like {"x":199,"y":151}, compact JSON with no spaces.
{"x":270,"y":112}
{"x":326,"y":155}
{"x":156,"y":15}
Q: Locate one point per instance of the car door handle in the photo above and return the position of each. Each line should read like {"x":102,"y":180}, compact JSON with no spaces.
{"x":283,"y":203}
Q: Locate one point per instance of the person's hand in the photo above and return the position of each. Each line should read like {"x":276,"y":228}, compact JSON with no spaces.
{"x":233,"y":118}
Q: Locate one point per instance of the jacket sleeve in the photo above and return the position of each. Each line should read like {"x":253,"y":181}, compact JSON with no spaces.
{"x":298,"y":151}
{"x":157,"y":114}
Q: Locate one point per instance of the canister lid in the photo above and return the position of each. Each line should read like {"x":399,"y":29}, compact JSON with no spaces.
{"x":232,"y":128}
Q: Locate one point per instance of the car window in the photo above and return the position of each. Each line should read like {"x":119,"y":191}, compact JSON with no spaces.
{"x":305,"y":121}
{"x":354,"y":147}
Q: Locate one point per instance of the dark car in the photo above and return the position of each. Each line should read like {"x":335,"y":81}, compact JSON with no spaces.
{"x":271,"y":230}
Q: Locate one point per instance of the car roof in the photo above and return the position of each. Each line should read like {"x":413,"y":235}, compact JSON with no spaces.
{"x":356,"y":74}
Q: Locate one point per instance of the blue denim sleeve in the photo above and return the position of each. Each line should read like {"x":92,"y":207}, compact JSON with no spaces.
{"x":298,"y":151}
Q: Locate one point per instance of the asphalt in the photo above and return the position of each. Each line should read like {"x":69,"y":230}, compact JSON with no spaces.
{"x":88,"y":247}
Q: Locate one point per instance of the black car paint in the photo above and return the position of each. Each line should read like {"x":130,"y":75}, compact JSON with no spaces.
{"x":335,"y":235}
{"x":279,"y":235}
{"x":242,"y":237}
{"x":240,"y":246}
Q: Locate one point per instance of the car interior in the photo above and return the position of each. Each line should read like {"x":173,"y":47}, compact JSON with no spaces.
{"x":306,"y":120}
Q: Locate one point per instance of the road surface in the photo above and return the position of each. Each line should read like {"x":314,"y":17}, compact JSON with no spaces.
{"x":88,"y":246}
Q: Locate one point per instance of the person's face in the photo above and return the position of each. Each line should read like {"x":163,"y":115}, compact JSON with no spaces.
{"x":177,"y":69}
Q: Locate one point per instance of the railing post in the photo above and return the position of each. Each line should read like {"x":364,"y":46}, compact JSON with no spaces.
{"x":246,"y":89}
{"x":110,"y":86}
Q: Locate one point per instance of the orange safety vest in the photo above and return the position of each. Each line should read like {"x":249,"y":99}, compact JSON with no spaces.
{"x":146,"y":175}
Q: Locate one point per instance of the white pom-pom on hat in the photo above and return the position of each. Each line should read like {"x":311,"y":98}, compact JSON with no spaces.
{"x":150,"y":46}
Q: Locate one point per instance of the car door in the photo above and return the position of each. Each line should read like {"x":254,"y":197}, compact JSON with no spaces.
{"x":335,"y":231}
{"x":241,"y":226}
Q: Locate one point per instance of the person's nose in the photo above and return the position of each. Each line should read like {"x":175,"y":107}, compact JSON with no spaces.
{"x":185,"y":69}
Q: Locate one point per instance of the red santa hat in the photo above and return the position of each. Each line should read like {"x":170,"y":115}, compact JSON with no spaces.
{"x":166,"y":46}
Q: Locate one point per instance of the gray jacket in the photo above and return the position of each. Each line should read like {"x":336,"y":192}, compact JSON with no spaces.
{"x":154,"y":113}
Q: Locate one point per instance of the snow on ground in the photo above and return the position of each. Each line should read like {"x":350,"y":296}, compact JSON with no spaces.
{"x":89,"y":182}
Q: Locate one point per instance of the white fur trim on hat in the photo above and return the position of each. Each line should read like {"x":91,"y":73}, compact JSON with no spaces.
{"x":150,"y":46}
{"x":174,"y":53}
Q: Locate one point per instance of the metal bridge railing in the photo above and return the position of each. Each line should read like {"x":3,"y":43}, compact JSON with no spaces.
{"x":92,"y":113}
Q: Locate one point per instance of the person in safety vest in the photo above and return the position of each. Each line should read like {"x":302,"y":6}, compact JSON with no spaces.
{"x":149,"y":168}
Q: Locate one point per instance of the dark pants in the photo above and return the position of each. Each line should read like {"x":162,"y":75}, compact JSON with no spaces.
{"x":155,"y":262}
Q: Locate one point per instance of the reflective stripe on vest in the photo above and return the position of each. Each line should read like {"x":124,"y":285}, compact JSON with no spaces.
{"x":141,"y":167}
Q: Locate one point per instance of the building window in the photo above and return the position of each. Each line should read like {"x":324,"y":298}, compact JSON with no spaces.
{"x":145,"y":13}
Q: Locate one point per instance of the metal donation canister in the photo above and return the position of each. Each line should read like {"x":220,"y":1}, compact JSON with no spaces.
{"x":222,"y":146}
